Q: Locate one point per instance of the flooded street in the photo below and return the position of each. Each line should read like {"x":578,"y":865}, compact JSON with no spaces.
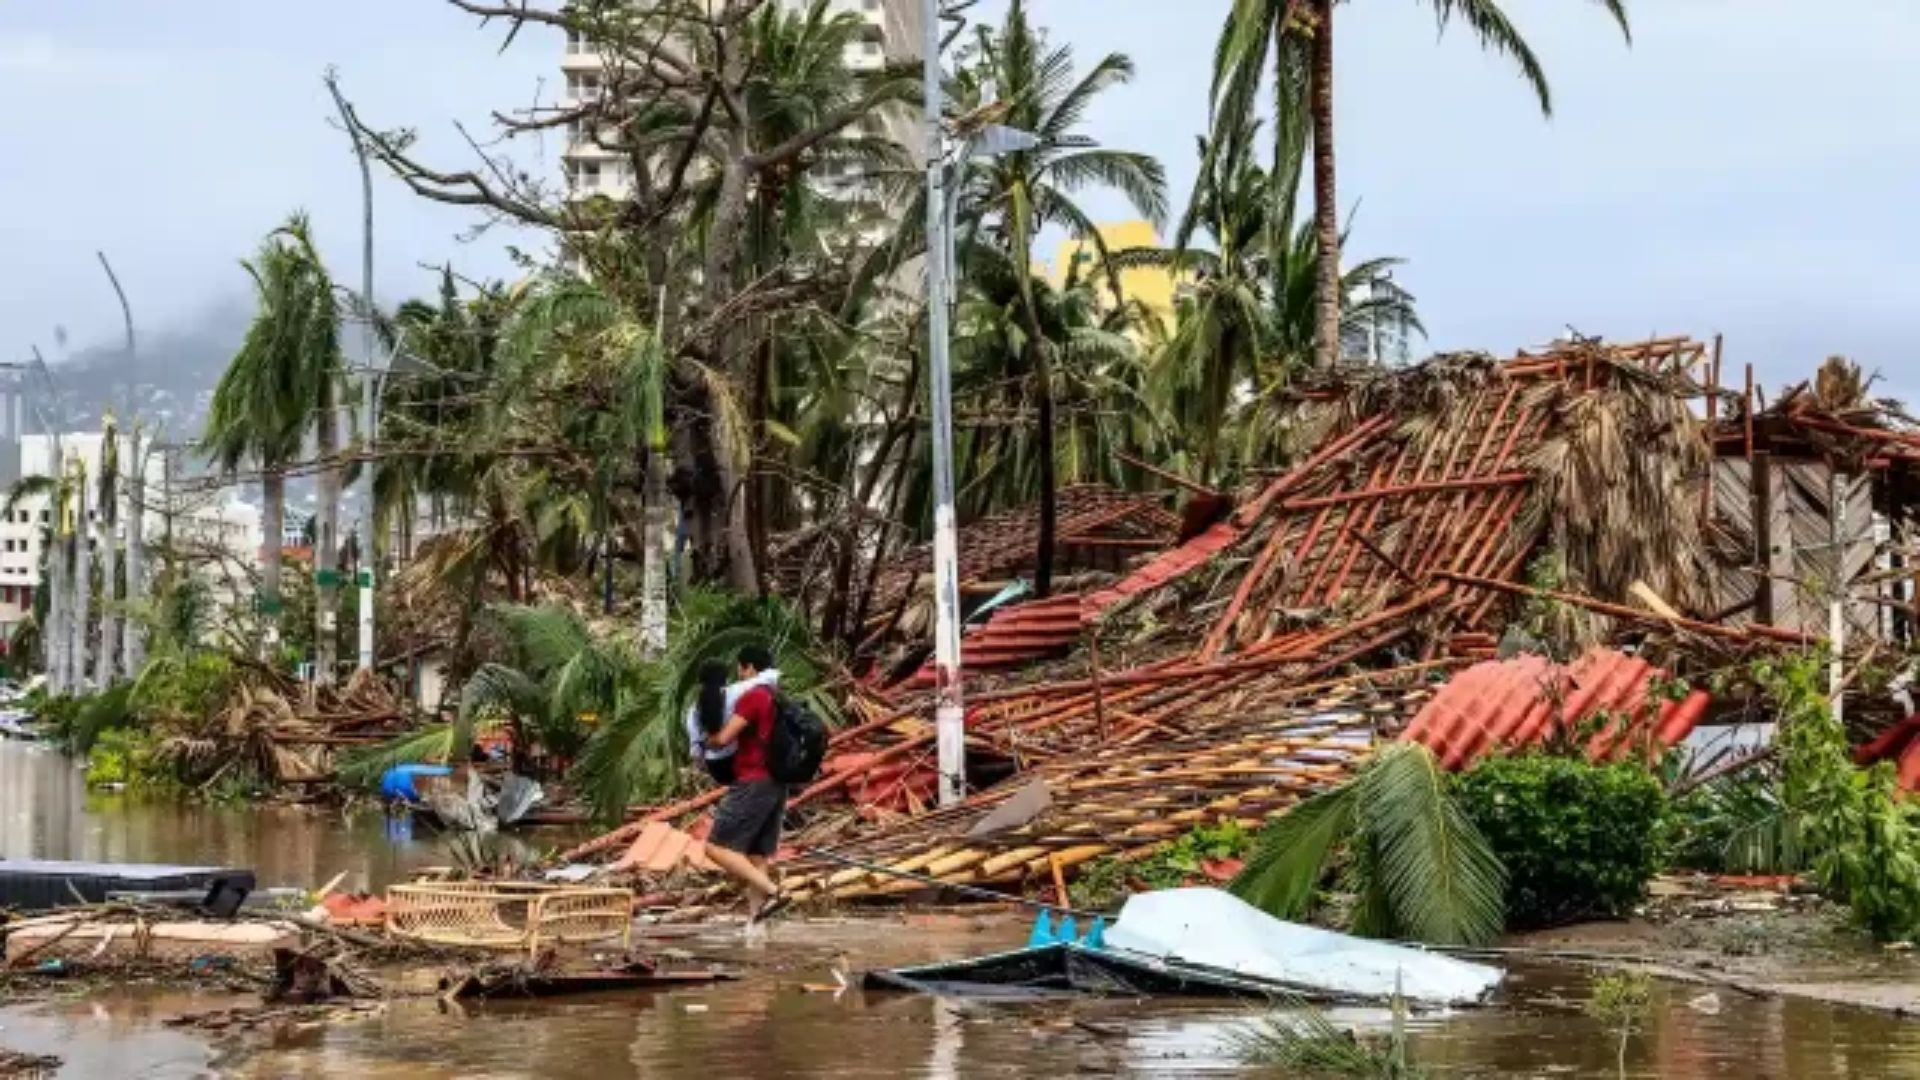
{"x":777,"y":1021}
{"x":46,"y":812}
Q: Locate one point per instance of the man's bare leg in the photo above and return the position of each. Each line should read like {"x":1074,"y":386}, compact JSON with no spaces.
{"x":748,"y":872}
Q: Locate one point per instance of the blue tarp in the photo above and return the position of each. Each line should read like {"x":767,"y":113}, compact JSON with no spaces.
{"x":397,"y":783}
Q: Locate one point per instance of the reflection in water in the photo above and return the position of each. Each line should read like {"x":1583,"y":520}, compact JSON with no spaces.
{"x":46,"y":812}
{"x":766,"y":1025}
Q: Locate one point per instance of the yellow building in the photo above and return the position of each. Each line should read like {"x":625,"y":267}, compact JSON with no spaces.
{"x":1151,"y":287}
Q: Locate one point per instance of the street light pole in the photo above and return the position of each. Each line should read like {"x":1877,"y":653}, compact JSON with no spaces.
{"x":369,"y":418}
{"x":949,"y":714}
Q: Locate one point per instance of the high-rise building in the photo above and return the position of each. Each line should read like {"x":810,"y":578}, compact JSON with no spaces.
{"x":1378,"y":337}
{"x":890,"y":33}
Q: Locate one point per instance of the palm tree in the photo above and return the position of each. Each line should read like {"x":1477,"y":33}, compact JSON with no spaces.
{"x":574,"y":689}
{"x":107,"y":496}
{"x":1246,"y":320}
{"x":282,"y":376}
{"x":1297,"y":35}
{"x":1006,"y":200}
{"x":1097,"y":374}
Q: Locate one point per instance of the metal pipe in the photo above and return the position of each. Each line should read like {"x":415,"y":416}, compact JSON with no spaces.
{"x":949,"y":712}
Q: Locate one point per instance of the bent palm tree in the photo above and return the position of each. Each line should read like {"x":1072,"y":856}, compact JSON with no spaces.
{"x":266,"y":399}
{"x":1297,"y":37}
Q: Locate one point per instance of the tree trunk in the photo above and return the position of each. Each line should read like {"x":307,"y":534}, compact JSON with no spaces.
{"x":655,"y":544}
{"x":105,"y":660}
{"x":53,"y":636}
{"x":135,"y":638}
{"x":1049,"y":506}
{"x":1326,"y":211}
{"x":82,"y":586}
{"x":273,"y":493}
{"x":326,"y":539}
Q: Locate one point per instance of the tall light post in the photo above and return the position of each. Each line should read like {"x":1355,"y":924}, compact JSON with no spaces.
{"x":949,"y":713}
{"x":369,"y":419}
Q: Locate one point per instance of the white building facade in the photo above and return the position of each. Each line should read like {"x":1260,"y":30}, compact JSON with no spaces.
{"x":890,"y":33}
{"x":214,"y":521}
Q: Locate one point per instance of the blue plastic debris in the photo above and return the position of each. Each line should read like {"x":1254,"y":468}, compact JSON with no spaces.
{"x":1042,"y":934}
{"x":1097,"y":937}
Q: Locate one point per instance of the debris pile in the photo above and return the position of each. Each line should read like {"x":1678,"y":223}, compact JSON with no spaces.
{"x":1459,"y":511}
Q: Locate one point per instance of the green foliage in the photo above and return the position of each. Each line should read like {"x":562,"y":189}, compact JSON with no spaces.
{"x":1424,"y":869}
{"x":1578,"y":839}
{"x":1297,"y":1039}
{"x":123,"y":757}
{"x":1109,"y":880}
{"x":429,"y":745}
{"x":183,"y":688}
{"x":1738,"y":825}
{"x":1865,"y":839}
{"x":1101,"y":885}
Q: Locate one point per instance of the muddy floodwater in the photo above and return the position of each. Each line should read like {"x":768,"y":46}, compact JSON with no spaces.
{"x":783,"y":1019}
{"x":46,"y":812}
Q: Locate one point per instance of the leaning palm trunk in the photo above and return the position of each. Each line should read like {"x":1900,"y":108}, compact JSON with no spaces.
{"x":105,"y":659}
{"x":134,"y":645}
{"x":53,"y":639}
{"x":111,"y":610}
{"x":81,"y":587}
{"x":1326,"y":214}
{"x":326,"y":540}
{"x":273,"y":492}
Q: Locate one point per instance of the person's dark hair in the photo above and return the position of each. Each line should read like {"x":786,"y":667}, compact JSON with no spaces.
{"x":757,"y":657}
{"x":711,"y":705}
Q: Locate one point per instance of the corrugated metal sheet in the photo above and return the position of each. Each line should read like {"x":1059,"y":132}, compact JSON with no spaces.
{"x":1511,"y":704}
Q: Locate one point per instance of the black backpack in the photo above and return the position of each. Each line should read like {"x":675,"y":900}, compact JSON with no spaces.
{"x":799,"y":742}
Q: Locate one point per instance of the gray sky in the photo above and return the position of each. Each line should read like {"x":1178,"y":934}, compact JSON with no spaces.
{"x":1741,"y":169}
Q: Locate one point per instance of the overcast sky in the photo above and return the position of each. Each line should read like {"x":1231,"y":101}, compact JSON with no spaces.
{"x":1743,"y":168}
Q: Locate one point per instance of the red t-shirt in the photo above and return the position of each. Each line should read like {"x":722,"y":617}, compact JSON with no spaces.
{"x":756,"y":707}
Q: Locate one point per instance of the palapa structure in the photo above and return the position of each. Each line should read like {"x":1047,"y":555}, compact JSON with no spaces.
{"x":1257,"y":661}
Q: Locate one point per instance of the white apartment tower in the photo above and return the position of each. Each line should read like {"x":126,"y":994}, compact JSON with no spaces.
{"x":891,"y":32}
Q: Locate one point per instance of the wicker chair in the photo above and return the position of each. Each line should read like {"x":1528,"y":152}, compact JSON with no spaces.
{"x":509,"y":914}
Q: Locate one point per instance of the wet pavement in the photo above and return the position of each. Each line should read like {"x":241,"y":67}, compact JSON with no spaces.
{"x":777,"y":1022}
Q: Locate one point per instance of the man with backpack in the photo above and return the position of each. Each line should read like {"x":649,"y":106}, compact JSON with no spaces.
{"x":746,"y":827}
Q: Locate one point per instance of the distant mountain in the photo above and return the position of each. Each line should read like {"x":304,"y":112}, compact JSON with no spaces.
{"x":169,"y":382}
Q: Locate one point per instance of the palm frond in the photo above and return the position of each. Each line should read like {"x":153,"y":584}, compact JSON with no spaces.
{"x":1294,"y":850}
{"x":1442,"y":879}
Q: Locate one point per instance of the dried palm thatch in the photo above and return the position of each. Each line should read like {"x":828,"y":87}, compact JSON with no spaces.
{"x":1613,"y":493}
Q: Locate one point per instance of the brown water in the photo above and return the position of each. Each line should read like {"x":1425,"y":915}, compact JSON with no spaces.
{"x":770,"y":1024}
{"x":46,"y":812}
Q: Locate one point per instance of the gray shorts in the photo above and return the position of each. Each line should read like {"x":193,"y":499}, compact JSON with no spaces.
{"x":748,"y":820}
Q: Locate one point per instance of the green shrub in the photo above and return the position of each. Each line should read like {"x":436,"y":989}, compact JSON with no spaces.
{"x":1863,"y":836}
{"x":121,"y":756}
{"x":1578,"y":839}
